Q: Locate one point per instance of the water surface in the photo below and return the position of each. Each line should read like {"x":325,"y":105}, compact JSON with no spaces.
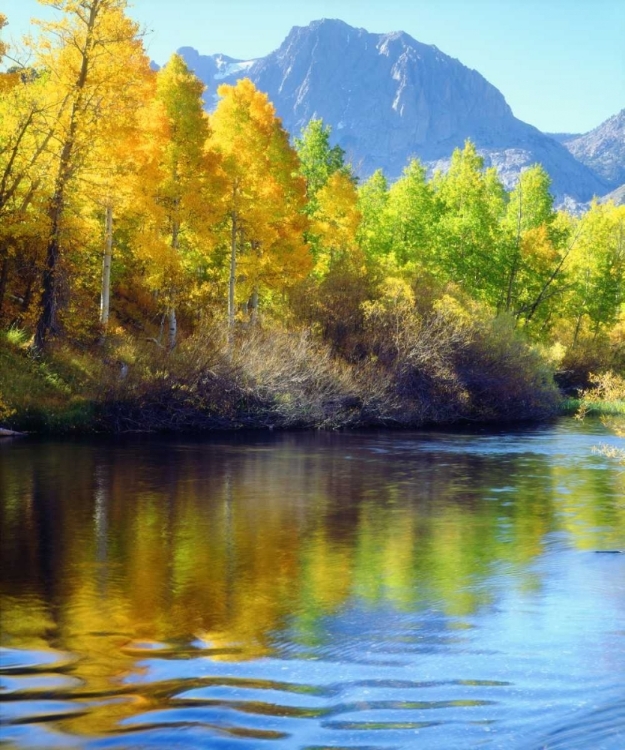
{"x":364,"y":590}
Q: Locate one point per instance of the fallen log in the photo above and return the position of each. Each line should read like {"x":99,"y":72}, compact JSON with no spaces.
{"x":10,"y":433}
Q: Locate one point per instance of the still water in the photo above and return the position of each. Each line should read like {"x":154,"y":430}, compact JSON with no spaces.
{"x":366,"y":590}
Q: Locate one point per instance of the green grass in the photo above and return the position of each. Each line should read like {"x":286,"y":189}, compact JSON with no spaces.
{"x":600,"y":408}
{"x":39,"y":395}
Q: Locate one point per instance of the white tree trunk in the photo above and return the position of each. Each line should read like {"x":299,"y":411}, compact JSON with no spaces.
{"x":255,"y":307}
{"x":105,"y":295}
{"x":172,"y":330}
{"x":233,"y":271}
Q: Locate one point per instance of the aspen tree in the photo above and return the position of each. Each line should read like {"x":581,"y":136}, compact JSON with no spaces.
{"x":176,"y":186}
{"x":264,"y":198}
{"x":90,"y":53}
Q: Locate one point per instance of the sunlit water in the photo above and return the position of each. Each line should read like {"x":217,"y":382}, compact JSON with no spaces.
{"x":372,"y":590}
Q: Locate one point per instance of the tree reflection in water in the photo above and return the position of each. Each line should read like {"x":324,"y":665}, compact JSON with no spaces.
{"x":240,"y":545}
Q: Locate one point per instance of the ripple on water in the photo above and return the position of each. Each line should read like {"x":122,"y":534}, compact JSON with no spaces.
{"x":38,"y":684}
{"x":273,"y":698}
{"x":600,"y":728}
{"x":36,"y":736}
{"x":17,"y":712}
{"x":371,"y":712}
{"x":29,"y":660}
{"x":221,"y":719}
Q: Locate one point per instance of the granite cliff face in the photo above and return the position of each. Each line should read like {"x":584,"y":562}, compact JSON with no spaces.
{"x":603,"y":149}
{"x":388,"y":98}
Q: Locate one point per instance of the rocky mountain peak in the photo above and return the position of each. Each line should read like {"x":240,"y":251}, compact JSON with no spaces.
{"x":603,"y":149}
{"x":389,"y":97}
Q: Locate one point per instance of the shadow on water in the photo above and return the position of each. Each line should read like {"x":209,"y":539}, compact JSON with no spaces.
{"x":363,"y":590}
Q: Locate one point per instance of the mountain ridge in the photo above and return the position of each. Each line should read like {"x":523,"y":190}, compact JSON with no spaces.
{"x":389,"y":97}
{"x":603,"y":149}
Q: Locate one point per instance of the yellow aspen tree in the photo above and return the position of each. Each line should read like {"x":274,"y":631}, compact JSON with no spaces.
{"x":264,"y":195}
{"x":24,"y":168}
{"x":336,"y":223}
{"x":177,"y":186}
{"x":108,"y":171}
{"x":90,"y":54}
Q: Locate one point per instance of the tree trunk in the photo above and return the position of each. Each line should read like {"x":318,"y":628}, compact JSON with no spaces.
{"x":254,"y":305}
{"x":172,"y":328}
{"x":517,"y":254}
{"x":511,"y":281}
{"x":578,"y":326}
{"x":28,"y":293}
{"x":4,"y":277}
{"x":105,"y":295}
{"x":233,"y":271}
{"x":47,"y":323}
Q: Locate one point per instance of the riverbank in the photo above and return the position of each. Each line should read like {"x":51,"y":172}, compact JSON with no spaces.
{"x":271,"y":380}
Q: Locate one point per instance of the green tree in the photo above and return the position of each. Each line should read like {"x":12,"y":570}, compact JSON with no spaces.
{"x":528,"y":233}
{"x":374,"y":232}
{"x":468,"y":233}
{"x":318,"y":160}
{"x":596,"y":289}
{"x":413,"y":216}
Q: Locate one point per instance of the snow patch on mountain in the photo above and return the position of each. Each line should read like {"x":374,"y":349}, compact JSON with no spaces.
{"x":231,"y":67}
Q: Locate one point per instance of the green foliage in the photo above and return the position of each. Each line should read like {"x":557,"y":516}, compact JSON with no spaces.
{"x":413,"y":218}
{"x":469,"y":231}
{"x":527,"y":243}
{"x":375,"y":230}
{"x":318,"y":160}
{"x":598,"y":269}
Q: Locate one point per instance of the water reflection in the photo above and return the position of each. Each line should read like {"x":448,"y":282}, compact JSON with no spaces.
{"x":310,"y":590}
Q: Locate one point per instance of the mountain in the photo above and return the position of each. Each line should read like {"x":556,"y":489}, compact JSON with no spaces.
{"x":389,"y":97}
{"x":603,"y":149}
{"x":563,"y":137}
{"x":616,"y":196}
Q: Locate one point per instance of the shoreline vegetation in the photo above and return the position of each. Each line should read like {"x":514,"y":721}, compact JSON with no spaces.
{"x":278,"y":380}
{"x":165,"y":269}
{"x":289,"y":381}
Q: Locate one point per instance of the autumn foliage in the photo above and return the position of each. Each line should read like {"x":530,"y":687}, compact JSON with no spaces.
{"x":217,"y":273}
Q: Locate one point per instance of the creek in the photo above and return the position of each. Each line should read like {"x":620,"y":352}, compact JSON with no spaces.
{"x":364,"y":590}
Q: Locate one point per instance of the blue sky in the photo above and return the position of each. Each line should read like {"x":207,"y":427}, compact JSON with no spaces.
{"x":559,"y":63}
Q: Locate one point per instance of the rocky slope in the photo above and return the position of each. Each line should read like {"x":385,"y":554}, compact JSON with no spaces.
{"x":388,"y":98}
{"x":616,"y":196}
{"x":603,"y":149}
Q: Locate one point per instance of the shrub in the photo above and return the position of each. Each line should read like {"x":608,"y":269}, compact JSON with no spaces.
{"x":456,"y":362}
